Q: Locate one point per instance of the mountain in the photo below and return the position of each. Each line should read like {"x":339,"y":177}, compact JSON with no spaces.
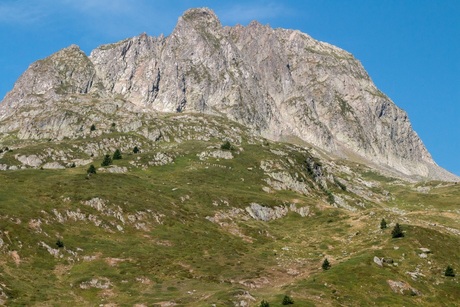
{"x":280,"y":83}
{"x":218,"y":166}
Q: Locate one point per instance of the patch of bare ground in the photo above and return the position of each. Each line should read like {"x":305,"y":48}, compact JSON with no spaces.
{"x":15,"y":256}
{"x":61,"y":269}
{"x":115,"y":261}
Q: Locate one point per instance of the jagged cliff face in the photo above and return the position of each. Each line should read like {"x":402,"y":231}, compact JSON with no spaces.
{"x":278,"y":82}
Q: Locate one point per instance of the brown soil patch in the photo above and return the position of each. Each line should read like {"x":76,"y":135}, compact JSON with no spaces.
{"x":15,"y":256}
{"x":114,"y":261}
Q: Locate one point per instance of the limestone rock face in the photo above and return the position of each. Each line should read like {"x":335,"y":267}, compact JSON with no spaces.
{"x":280,"y":83}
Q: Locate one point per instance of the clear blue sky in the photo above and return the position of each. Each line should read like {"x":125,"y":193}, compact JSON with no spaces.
{"x":410,"y":48}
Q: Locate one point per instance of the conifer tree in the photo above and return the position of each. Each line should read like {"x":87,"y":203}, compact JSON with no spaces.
{"x":59,"y":243}
{"x":383,"y":224}
{"x":107,"y":161}
{"x":397,"y":232}
{"x":91,"y":170}
{"x":449,"y":271}
{"x":117,"y":155}
{"x":326,"y":265}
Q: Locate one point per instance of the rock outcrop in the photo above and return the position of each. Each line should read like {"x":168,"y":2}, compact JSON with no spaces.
{"x":278,"y":82}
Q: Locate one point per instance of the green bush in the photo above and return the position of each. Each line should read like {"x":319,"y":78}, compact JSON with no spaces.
{"x":226,"y":146}
{"x":136,"y":149}
{"x":330,"y":197}
{"x":287,"y":300}
{"x":449,"y":271}
{"x":59,"y":244}
{"x":264,"y":303}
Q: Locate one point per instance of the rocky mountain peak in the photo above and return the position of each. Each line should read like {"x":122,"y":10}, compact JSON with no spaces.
{"x":65,"y":72}
{"x":200,"y":16}
{"x":280,"y":83}
{"x":200,"y":21}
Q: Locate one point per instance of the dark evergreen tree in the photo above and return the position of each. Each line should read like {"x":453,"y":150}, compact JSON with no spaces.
{"x":91,"y":170}
{"x":117,"y":155}
{"x":449,"y":271}
{"x":107,"y":161}
{"x":383,"y":224}
{"x":264,"y":303}
{"x":397,"y":232}
{"x":226,"y":146}
{"x":93,"y":127}
{"x":287,"y":300}
{"x":136,"y":149}
{"x":59,"y":244}
{"x":326,"y":265}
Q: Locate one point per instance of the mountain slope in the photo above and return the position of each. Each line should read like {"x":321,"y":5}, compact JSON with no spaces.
{"x":201,"y":209}
{"x":191,"y":221}
{"x":281,"y":83}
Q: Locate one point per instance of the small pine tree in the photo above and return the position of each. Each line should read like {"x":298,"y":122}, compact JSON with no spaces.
{"x":397,"y":232}
{"x":59,"y":244}
{"x":383,"y":224}
{"x":449,"y":271}
{"x":107,"y":161}
{"x":92,"y":128}
{"x":326,"y":265}
{"x":264,"y":303}
{"x":287,"y":300}
{"x":136,"y":149}
{"x":91,"y":170}
{"x":117,"y":155}
{"x":226,"y":146}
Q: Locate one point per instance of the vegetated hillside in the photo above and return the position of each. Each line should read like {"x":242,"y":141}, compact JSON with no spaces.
{"x":205,"y":213}
{"x":278,"y":82}
{"x":108,"y":199}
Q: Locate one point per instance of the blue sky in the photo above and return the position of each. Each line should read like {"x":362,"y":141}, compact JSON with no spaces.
{"x":410,"y":48}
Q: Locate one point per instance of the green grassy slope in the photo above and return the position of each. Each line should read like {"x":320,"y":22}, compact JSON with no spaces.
{"x":179,"y":233}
